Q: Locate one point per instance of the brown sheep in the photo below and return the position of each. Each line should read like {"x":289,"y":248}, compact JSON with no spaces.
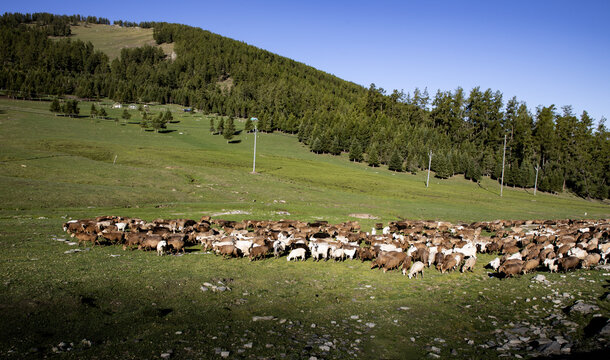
{"x":469,"y":264}
{"x":176,"y":244}
{"x":114,"y":237}
{"x":394,"y":261}
{"x":366,"y":254}
{"x":228,"y":250}
{"x":591,"y":260}
{"x":150,"y":242}
{"x":133,"y":239}
{"x":568,"y":263}
{"x":406,"y":264}
{"x":422,"y":255}
{"x":85,"y":237}
{"x":259,"y":252}
{"x":509,"y":270}
{"x":448,"y":264}
{"x":530,"y":265}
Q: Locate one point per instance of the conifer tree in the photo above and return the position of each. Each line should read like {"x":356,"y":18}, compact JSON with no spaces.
{"x":167,"y":117}
{"x":335,"y":146}
{"x":102,"y":113}
{"x":229,"y":129}
{"x":93,"y":111}
{"x":212,"y":127}
{"x":221,"y":126}
{"x":126,"y":115}
{"x":316,"y":146}
{"x":355,"y":151}
{"x":249,"y":126}
{"x":373,"y":156}
{"x":55,"y":106}
{"x":395,"y":163}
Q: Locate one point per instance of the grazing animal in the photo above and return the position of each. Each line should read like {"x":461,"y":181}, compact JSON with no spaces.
{"x":509,"y":270}
{"x":350,"y":253}
{"x":469,"y":264}
{"x":150,"y":242}
{"x":258,"y":252}
{"x":337,"y":254}
{"x":449,"y":263}
{"x":494,"y":264}
{"x":591,"y":260}
{"x":176,"y":244}
{"x":568,"y":263}
{"x":417,"y":268}
{"x":530,"y":265}
{"x":227,"y":251}
{"x":295,"y":254}
{"x":84,"y":237}
{"x":161,"y":246}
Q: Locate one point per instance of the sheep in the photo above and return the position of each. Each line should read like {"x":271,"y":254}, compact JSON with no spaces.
{"x":590,"y":260}
{"x":227,"y":250}
{"x":530,"y":265}
{"x":406,"y":264}
{"x":85,"y":237}
{"x":568,"y":263}
{"x":394,"y":260}
{"x":258,"y":252}
{"x":319,"y":250}
{"x":150,"y":242}
{"x":161,"y":246}
{"x":449,"y":264}
{"x":551,"y":264}
{"x":469,"y":264}
{"x":417,"y":268}
{"x":295,"y":254}
{"x":577,"y":252}
{"x":176,"y":244}
{"x":366,"y":254}
{"x":244,"y":246}
{"x":350,"y":253}
{"x":279,"y":246}
{"x":121,"y":226}
{"x":337,"y":254}
{"x":494,"y":264}
{"x":509,"y":270}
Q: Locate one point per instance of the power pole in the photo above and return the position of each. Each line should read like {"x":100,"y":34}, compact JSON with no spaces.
{"x":254,"y":159}
{"x":429,"y":163}
{"x":536,"y":182}
{"x":503,"y":158}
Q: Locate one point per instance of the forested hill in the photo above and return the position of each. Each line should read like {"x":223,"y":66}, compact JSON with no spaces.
{"x":464,"y":131}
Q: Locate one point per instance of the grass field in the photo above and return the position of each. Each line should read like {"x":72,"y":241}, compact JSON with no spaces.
{"x":138,"y":305}
{"x":111,"y":39}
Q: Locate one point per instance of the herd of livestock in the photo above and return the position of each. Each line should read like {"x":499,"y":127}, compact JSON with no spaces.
{"x":521,"y":246}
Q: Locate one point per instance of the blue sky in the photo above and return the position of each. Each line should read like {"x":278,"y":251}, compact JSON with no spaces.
{"x":543,"y":52}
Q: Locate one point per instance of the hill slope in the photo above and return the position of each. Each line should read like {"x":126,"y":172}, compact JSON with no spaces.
{"x":67,"y":164}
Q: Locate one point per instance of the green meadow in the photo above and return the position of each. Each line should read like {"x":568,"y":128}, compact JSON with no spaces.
{"x":139,"y":305}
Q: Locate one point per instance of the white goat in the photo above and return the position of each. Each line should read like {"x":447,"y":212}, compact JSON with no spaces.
{"x":295,"y":254}
{"x":161,"y":246}
{"x":416,"y":268}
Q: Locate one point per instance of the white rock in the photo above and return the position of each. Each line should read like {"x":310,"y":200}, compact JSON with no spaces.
{"x":354,"y":317}
{"x":248,"y":345}
{"x":324,"y":348}
{"x":370,"y":324}
{"x":224,"y":354}
{"x":261,"y":318}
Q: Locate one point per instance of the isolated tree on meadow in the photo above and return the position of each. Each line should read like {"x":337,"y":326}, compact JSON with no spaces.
{"x":93,"y":111}
{"x":158,"y":122}
{"x":55,"y":106}
{"x":167,"y":117}
{"x":144,"y":122}
{"x":102,"y":113}
{"x":229,"y":129}
{"x":126,"y":115}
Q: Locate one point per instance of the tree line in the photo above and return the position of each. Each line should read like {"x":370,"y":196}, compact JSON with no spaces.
{"x":464,"y":130}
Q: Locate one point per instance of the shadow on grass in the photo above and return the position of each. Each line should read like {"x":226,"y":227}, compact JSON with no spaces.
{"x":235,"y":141}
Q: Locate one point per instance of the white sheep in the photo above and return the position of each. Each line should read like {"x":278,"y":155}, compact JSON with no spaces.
{"x":416,"y":268}
{"x":469,"y":264}
{"x":161,"y":246}
{"x":298,"y":253}
{"x":337,"y":254}
{"x":494,"y":264}
{"x":350,"y":253}
{"x":121,"y":226}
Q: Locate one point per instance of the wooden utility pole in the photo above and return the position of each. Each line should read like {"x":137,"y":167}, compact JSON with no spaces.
{"x":503,"y":158}
{"x":536,"y":182}
{"x":429,"y":163}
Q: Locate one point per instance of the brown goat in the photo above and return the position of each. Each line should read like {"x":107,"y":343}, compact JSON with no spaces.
{"x":259,"y":252}
{"x":568,"y":263}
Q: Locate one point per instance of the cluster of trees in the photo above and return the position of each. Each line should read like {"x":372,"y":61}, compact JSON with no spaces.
{"x":464,"y":130}
{"x":226,"y":128}
{"x":67,"y":108}
{"x":143,"y":24}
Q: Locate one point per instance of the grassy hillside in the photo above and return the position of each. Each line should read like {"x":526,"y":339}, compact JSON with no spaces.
{"x":191,"y":171}
{"x":111,"y":39}
{"x":138,"y":305}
